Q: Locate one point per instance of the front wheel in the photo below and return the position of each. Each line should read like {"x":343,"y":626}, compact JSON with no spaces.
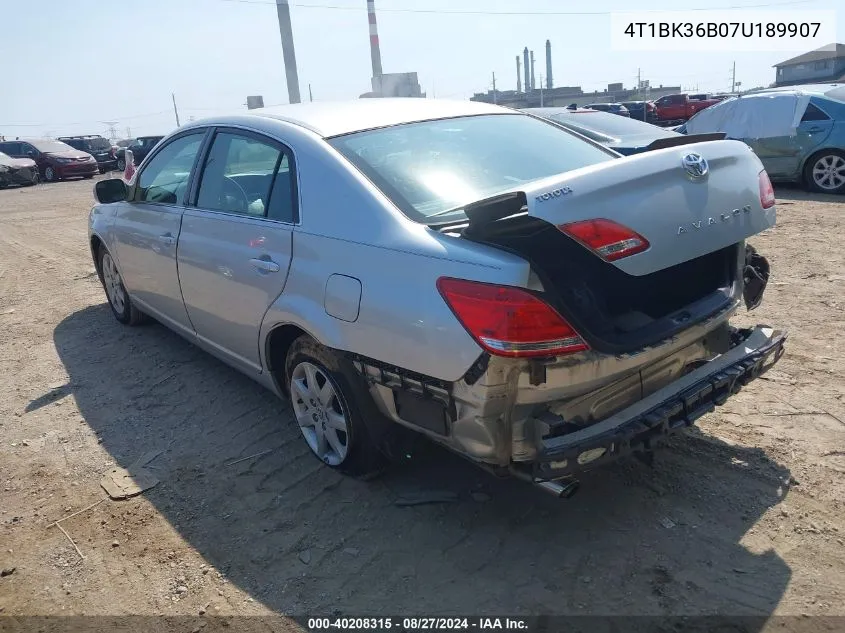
{"x":119,"y":302}
{"x":825,"y":172}
{"x":50,"y":175}
{"x":121,"y":164}
{"x":329,"y":406}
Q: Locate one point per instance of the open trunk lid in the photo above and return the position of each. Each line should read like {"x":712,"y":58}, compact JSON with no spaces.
{"x":684,"y":214}
{"x":695,"y":225}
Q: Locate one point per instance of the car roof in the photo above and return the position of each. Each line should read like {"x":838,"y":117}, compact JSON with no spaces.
{"x":334,"y":118}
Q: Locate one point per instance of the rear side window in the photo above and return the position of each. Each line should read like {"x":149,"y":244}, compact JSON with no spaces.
{"x":814,"y":113}
{"x":165,"y":178}
{"x":433,"y":168}
{"x":247,"y":176}
{"x":11,"y":148}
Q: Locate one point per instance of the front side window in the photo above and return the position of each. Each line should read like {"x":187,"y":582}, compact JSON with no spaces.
{"x":433,"y":168}
{"x":239,"y":173}
{"x":165,"y":178}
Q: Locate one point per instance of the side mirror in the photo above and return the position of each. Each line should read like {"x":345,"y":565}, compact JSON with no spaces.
{"x":111,"y":190}
{"x":31,"y":153}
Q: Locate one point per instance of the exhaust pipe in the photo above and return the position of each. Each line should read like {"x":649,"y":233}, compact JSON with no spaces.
{"x":564,"y":489}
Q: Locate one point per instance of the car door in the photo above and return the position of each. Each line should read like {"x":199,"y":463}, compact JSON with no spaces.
{"x":782,"y":155}
{"x":146,"y":229}
{"x":235,"y":245}
{"x":28,"y":150}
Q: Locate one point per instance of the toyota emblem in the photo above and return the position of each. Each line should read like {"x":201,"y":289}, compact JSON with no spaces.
{"x":695,"y":165}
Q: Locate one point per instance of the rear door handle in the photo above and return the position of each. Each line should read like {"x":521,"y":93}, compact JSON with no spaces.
{"x":167,"y":238}
{"x":265,"y":265}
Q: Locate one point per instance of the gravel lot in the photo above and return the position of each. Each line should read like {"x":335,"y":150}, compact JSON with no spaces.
{"x":743,"y":515}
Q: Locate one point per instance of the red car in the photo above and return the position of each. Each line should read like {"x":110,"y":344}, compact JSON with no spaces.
{"x":680,"y":107}
{"x":55,"y":160}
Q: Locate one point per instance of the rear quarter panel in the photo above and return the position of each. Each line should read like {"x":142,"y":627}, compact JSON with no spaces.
{"x":348,"y":227}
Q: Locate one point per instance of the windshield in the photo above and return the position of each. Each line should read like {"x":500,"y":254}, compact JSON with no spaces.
{"x":601,"y":126}
{"x":432,"y":167}
{"x":51,"y":146}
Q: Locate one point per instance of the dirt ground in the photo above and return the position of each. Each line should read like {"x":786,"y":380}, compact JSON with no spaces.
{"x":743,"y":515}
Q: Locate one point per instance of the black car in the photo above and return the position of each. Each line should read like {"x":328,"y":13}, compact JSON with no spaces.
{"x":140,"y":147}
{"x":625,"y":136}
{"x":641,"y":110}
{"x":17,"y":171}
{"x":99,"y":147}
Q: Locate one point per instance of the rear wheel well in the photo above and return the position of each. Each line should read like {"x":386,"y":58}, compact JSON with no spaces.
{"x":96,"y":245}
{"x":278,"y":343}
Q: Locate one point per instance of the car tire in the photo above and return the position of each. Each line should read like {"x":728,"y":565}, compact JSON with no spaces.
{"x":119,"y":302}
{"x":121,"y":164}
{"x":333,"y":409}
{"x":50,"y":174}
{"x":818,"y":175}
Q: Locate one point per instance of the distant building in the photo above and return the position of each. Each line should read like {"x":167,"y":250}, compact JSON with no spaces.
{"x":825,"y":64}
{"x":395,"y":85}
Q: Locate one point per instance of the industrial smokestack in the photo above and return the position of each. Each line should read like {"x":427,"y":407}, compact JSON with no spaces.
{"x":375,"y":51}
{"x":527,"y":69}
{"x":286,"y":31}
{"x":518,"y":75}
{"x":549,"y":83}
{"x":533,"y":85}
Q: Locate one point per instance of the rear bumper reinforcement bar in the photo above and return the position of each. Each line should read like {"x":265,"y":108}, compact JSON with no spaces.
{"x":642,"y":425}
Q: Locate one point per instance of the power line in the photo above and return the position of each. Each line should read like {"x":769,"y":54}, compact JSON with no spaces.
{"x":512,"y":13}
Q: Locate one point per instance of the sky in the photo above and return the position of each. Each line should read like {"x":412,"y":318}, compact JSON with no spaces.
{"x":78,"y":67}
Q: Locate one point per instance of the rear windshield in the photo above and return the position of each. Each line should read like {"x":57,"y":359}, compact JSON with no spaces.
{"x":433,"y":168}
{"x":600,"y":124}
{"x":98,"y":143}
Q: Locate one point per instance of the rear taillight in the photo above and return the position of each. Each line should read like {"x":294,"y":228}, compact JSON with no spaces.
{"x":508,"y":321}
{"x":767,"y":193}
{"x":609,"y":240}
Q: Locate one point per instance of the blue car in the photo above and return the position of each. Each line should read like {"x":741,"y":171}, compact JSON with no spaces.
{"x":623,"y":135}
{"x":798,"y":134}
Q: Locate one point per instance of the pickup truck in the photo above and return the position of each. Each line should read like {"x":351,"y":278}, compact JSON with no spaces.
{"x":680,"y":107}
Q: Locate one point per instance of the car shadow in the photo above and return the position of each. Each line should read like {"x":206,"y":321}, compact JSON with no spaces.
{"x":241,"y":487}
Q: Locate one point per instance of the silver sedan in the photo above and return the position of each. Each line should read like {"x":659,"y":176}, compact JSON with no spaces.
{"x":483,"y":277}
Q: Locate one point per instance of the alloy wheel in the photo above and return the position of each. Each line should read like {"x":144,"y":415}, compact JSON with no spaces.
{"x":49,"y":174}
{"x":829,"y":172}
{"x":319,"y":412}
{"x":114,"y":287}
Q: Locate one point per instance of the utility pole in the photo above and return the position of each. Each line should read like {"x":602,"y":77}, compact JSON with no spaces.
{"x":175,"y":110}
{"x":310,"y":96}
{"x":288,"y":52}
{"x":733,"y":78}
{"x":494,"y":87}
{"x":541,"y":90}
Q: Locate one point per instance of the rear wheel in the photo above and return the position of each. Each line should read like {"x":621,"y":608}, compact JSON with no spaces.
{"x":50,"y":174}
{"x":825,"y":172}
{"x":330,"y":407}
{"x":121,"y":305}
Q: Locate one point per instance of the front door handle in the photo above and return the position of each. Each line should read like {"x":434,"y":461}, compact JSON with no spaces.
{"x":167,"y":238}
{"x":265,"y":265}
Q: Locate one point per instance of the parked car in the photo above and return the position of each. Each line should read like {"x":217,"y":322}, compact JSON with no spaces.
{"x":680,"y":107}
{"x":55,"y":160}
{"x":140,"y":147}
{"x":626,"y":136}
{"x":799,"y":136}
{"x":641,"y":110}
{"x":613,"y":108}
{"x":99,"y":147}
{"x":17,"y":171}
{"x":509,"y":289}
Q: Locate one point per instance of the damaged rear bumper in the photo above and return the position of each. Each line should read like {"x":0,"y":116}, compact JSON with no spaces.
{"x":641,"y":426}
